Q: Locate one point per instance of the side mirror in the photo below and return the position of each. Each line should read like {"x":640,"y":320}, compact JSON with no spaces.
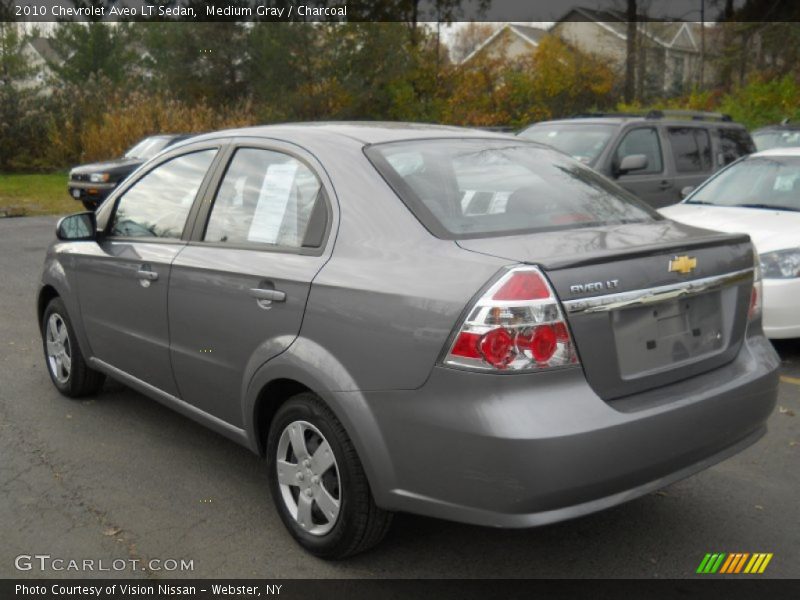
{"x":77,"y":227}
{"x":687,"y":190}
{"x":632,"y":162}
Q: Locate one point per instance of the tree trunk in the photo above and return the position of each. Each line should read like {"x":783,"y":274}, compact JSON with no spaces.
{"x":630,"y":54}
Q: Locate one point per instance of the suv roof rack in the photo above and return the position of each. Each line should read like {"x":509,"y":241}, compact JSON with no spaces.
{"x":694,"y":115}
{"x":589,"y":115}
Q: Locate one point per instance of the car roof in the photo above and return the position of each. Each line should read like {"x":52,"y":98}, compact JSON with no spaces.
{"x":359,"y":132}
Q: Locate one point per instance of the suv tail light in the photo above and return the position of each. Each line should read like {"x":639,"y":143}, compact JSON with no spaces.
{"x":756,"y":295}
{"x":517,"y":325}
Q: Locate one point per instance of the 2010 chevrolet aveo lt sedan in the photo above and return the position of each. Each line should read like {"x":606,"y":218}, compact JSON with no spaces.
{"x":413,"y":318}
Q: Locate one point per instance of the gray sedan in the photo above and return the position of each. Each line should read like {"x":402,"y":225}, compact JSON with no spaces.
{"x":399,"y":317}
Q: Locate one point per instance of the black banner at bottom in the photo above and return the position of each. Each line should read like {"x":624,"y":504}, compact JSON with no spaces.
{"x":389,"y":589}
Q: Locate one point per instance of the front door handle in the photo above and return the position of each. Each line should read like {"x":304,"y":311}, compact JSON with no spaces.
{"x":267,"y":294}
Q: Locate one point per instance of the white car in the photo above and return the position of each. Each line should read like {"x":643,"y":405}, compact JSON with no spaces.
{"x":758,"y":195}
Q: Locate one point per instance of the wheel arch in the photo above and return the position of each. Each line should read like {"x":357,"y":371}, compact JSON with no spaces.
{"x":46,"y":293}
{"x":307,"y":367}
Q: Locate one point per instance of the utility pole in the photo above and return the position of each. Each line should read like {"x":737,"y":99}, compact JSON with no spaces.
{"x":702,"y":42}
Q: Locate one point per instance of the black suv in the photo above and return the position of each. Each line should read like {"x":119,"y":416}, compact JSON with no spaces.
{"x":656,"y":156}
{"x":91,"y":183}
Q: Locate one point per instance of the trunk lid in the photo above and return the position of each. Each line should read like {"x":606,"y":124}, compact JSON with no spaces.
{"x":636,"y":323}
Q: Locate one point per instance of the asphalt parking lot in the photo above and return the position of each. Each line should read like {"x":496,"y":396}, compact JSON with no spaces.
{"x":121,"y":477}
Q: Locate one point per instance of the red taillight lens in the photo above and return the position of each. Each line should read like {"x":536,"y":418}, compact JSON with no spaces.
{"x":497,"y":347}
{"x":544,"y":343}
{"x":466,"y":344}
{"x":517,"y":325}
{"x":524,"y":285}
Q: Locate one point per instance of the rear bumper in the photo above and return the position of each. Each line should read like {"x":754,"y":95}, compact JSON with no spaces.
{"x":781,"y":314}
{"x":526,"y":450}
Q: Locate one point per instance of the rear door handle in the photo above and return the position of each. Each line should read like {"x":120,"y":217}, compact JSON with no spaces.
{"x":266,"y":294}
{"x":663,"y":185}
{"x":145,"y":273}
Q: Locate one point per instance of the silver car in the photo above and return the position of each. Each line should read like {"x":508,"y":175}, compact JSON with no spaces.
{"x":442,"y":321}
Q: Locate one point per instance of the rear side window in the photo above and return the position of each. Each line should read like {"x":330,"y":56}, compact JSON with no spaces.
{"x":158,"y":204}
{"x":691,"y":149}
{"x":643,"y":140}
{"x":466,"y":188}
{"x":733,"y":143}
{"x":266,"y":197}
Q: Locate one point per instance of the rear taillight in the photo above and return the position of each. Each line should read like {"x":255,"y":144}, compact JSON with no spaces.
{"x":517,"y":325}
{"x":756,"y":294}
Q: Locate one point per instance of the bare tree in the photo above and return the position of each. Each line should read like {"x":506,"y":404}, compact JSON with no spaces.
{"x":630,"y":53}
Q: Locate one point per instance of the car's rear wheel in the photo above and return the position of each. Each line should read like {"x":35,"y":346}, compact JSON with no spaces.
{"x":318,"y":483}
{"x":65,"y":362}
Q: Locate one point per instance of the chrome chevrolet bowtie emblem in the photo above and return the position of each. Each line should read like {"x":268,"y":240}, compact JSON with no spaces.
{"x":682,"y":264}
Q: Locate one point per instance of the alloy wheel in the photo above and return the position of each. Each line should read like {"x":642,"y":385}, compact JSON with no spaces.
{"x":309,"y":478}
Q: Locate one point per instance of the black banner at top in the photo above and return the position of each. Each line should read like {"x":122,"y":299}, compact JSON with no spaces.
{"x":448,"y":11}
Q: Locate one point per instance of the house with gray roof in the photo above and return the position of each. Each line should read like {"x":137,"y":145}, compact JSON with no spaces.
{"x":668,"y":53}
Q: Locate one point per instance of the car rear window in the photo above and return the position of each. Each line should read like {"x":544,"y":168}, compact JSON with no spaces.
{"x":461,"y":188}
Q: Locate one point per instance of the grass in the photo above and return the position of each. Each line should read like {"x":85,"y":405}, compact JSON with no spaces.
{"x":36,"y":194}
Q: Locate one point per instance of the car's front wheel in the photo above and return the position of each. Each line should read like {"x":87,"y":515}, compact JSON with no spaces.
{"x":318,"y":483}
{"x":65,"y":362}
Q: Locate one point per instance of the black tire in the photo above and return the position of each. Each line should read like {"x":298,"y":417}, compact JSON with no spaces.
{"x":81,"y":380}
{"x":360,"y":524}
{"x":90,"y":205}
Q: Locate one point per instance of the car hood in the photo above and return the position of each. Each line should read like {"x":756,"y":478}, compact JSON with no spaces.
{"x":113,"y":166}
{"x":769,"y":229}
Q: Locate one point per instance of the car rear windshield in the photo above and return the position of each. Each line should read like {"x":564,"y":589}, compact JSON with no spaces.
{"x":757,"y":182}
{"x":764,"y":140}
{"x":148,"y":147}
{"x":462,"y":188}
{"x":582,"y":141}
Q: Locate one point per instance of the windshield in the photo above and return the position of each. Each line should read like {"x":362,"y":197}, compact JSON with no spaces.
{"x":758,"y":182}
{"x":583,"y":142}
{"x":148,"y":147}
{"x":765,"y":140}
{"x":482,"y":187}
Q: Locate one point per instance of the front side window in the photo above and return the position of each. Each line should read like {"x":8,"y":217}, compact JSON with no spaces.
{"x":266,"y":197}
{"x":583,"y":141}
{"x":643,"y":140}
{"x":481,"y":187}
{"x":158,"y":204}
{"x":691,"y":149}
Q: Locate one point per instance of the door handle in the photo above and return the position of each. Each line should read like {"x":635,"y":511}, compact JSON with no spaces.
{"x":663,"y":185}
{"x":146,"y":274}
{"x":269,"y":295}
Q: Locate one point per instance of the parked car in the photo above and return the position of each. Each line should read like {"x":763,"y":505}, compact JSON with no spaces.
{"x":435,"y":320}
{"x":759,"y":195}
{"x":90,"y":184}
{"x":654,"y":156}
{"x":784,"y":135}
